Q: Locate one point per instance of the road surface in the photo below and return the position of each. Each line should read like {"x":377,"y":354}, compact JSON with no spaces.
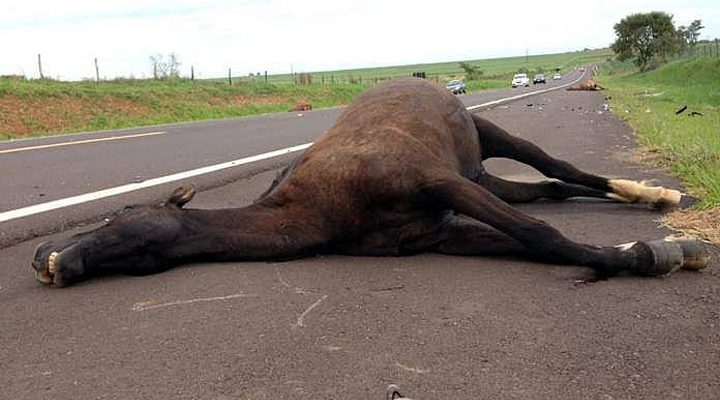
{"x":345,"y":327}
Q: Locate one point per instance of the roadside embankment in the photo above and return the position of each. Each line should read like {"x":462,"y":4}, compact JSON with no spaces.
{"x":40,"y":107}
{"x":675,"y":111}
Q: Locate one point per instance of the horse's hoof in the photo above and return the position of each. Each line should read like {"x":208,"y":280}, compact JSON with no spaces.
{"x":687,"y":201}
{"x":41,"y":263}
{"x":667,"y":255}
{"x":56,"y":267}
{"x":695,"y":255}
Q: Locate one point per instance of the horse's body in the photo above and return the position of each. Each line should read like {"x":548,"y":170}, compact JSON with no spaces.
{"x":400,"y":172}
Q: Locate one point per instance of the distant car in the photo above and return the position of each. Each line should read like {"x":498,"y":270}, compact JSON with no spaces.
{"x":456,"y":86}
{"x":539,"y":78}
{"x":557,"y":77}
{"x":520,"y":80}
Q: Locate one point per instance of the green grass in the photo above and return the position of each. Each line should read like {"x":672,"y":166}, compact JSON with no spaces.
{"x":688,"y":146}
{"x":41,"y":107}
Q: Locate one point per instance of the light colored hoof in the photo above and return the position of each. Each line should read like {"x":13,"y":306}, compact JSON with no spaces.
{"x":631,"y":191}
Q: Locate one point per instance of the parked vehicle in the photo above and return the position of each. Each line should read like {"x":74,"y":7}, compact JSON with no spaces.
{"x":520,"y":80}
{"x":539,"y":78}
{"x":456,"y":86}
{"x":557,"y":77}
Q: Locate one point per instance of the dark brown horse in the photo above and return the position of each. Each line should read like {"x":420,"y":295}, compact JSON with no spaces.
{"x":399,"y":173}
{"x":586,"y":85}
{"x":301,"y":106}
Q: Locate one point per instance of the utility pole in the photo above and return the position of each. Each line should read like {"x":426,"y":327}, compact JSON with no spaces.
{"x":527,"y":63}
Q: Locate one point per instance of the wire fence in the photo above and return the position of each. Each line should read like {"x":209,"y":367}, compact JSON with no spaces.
{"x":701,"y":49}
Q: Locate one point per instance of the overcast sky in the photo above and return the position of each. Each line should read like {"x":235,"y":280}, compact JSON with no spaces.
{"x":309,"y":35}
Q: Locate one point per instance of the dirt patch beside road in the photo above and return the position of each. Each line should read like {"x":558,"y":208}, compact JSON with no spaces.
{"x":20,"y":117}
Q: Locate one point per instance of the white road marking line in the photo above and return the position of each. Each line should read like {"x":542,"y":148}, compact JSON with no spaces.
{"x":145,"y":305}
{"x":520,"y":96}
{"x":83,"y":198}
{"x":301,"y":319}
{"x":131,"y":187}
{"x":75,"y":142}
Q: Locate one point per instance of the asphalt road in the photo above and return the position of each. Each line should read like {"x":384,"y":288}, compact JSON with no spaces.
{"x":344,"y":327}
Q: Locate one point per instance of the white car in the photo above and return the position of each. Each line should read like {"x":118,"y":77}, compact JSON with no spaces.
{"x":520,"y":80}
{"x":557,"y":77}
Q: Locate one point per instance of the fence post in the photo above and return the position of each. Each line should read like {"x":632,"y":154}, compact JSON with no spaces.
{"x":40,"y":67}
{"x":230,"y":76}
{"x":192,"y":72}
{"x":97,"y":71}
{"x":717,"y":48}
{"x":266,"y":77}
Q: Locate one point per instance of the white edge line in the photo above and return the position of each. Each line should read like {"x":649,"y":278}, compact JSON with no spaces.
{"x":131,"y":187}
{"x":114,"y":191}
{"x":77,"y":142}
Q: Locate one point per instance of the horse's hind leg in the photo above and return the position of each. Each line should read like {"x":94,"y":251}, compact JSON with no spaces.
{"x":521,"y":192}
{"x":496,"y":142}
{"x":463,"y":196}
{"x":469,"y":237}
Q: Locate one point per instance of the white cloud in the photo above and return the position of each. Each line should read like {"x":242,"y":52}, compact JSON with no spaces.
{"x":312,"y":35}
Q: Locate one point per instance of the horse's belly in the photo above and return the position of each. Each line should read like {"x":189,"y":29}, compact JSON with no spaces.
{"x":413,"y":236}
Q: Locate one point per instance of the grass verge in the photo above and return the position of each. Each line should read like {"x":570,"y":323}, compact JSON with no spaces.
{"x":687,"y":143}
{"x":41,"y":107}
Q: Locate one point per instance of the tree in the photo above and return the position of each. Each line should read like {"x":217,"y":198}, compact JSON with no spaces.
{"x":165,"y":68}
{"x":645,"y":36}
{"x":693,"y":32}
{"x":687,"y":36}
{"x":471,"y":72}
{"x":681,"y":38}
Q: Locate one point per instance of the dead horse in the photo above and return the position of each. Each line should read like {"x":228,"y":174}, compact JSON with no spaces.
{"x":399,"y":173}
